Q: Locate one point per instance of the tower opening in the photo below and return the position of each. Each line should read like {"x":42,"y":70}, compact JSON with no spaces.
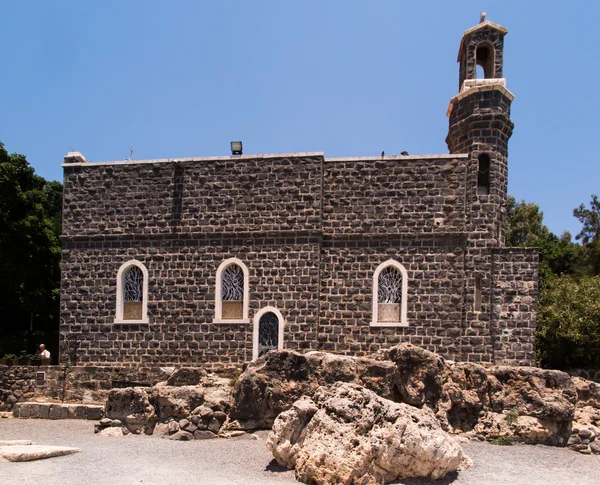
{"x":484,"y":57}
{"x":483,"y":175}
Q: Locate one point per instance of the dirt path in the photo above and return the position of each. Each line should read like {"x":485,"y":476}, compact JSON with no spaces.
{"x":150,"y":460}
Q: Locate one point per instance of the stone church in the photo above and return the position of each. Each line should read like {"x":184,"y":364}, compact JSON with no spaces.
{"x":214,"y":261}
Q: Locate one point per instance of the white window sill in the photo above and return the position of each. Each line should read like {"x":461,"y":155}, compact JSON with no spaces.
{"x":239,"y":320}
{"x":389,"y":324}
{"x":118,"y":320}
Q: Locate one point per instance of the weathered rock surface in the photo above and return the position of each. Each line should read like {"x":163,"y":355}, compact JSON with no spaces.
{"x":347,"y":434}
{"x":272,"y":383}
{"x":527,"y":403}
{"x":186,"y":376}
{"x":175,"y":411}
{"x":34,"y":452}
{"x":111,"y":432}
{"x":132,"y":408}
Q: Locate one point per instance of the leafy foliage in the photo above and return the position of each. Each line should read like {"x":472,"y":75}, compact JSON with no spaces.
{"x":524,"y":226}
{"x":568,"y":330}
{"x":30,"y":212}
{"x":568,"y":324}
{"x":590,"y":218}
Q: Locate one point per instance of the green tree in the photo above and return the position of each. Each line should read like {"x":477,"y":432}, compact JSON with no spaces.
{"x":525,"y":228}
{"x":29,"y":250}
{"x":590,"y":218}
{"x":524,"y":224}
{"x":568,"y":326}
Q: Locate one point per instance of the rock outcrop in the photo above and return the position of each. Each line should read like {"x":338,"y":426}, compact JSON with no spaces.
{"x":525,"y":403}
{"x":179,"y":412}
{"x":347,"y":434}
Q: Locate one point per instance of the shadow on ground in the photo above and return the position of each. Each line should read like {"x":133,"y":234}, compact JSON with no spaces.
{"x":447,"y":480}
{"x":275,"y":467}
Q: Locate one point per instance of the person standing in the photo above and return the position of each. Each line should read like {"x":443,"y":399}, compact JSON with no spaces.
{"x":44,"y":354}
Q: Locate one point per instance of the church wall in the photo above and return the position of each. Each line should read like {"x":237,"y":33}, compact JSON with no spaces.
{"x":181,"y":300}
{"x":435,"y":295}
{"x":394,"y":196}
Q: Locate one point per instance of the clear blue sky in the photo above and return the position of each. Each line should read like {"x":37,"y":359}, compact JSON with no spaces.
{"x":348,"y":78}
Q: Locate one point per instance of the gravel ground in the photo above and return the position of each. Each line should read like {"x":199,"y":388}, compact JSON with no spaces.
{"x":151,"y":460}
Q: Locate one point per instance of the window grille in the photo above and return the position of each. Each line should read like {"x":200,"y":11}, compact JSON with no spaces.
{"x":268,"y":333}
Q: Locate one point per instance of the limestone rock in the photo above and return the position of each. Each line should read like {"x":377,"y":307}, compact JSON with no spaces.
{"x":181,"y":436}
{"x":186,"y":376}
{"x":460,"y":394}
{"x":132,"y":408}
{"x":176,"y":402}
{"x":270,"y":384}
{"x":419,"y":375}
{"x":33,"y":452}
{"x":204,"y":435}
{"x":347,"y":434}
{"x":218,"y":393}
{"x":527,"y":429}
{"x":161,"y":429}
{"x":111,"y":432}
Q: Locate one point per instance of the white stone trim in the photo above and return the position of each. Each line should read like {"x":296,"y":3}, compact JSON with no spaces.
{"x":219,"y":291}
{"x":490,"y":85}
{"x":386,"y":158}
{"x":403,"y":321}
{"x":257,"y":318}
{"x":196,"y":159}
{"x":119,"y":315}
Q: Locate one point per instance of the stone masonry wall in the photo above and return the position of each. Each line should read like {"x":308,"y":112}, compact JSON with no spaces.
{"x":181,"y":307}
{"x":311,"y":232}
{"x":17,"y":383}
{"x":435,"y":295}
{"x":229,"y":196}
{"x":85,"y":384}
{"x":394,"y":196}
{"x":514,"y":303}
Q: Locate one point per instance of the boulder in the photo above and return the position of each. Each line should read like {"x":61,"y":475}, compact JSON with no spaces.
{"x":111,"y":432}
{"x":176,"y":402}
{"x":272,"y":383}
{"x":204,"y":435}
{"x":218,"y":393}
{"x":132,"y":408}
{"x":527,"y":429}
{"x":186,"y":376}
{"x":347,"y":434}
{"x":180,"y":436}
{"x":460,"y":394}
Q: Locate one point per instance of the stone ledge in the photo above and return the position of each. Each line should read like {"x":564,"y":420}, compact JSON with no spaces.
{"x":493,"y":85}
{"x":196,"y":159}
{"x":41,"y":410}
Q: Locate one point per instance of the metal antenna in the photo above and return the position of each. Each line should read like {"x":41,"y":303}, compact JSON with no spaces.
{"x":72,"y":149}
{"x":131,"y":150}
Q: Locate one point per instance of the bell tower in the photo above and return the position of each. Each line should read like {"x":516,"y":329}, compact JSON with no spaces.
{"x":480,"y":126}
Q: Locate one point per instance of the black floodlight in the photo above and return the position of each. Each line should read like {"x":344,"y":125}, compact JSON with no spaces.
{"x":236,"y":147}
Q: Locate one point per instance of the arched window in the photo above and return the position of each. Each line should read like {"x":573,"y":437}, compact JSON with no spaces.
{"x":268,"y":331}
{"x":484,"y":57}
{"x":390,"y":292}
{"x":132,"y":293}
{"x":483,"y":175}
{"x":231,"y":296}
